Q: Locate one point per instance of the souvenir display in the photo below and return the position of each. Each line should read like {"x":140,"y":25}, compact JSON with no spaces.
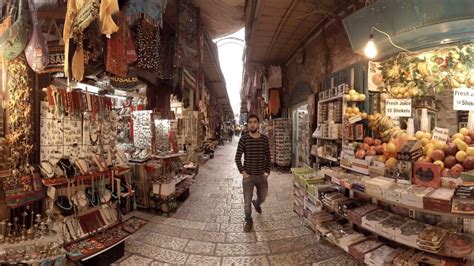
{"x":359,"y":250}
{"x":282,"y":136}
{"x":383,"y":255}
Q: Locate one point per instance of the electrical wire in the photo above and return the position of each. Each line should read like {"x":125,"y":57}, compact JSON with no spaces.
{"x":390,"y":40}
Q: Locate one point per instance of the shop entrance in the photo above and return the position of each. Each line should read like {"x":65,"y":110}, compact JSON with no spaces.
{"x":298,"y":115}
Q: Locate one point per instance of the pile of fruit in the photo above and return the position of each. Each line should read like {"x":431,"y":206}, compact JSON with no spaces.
{"x":384,"y":152}
{"x":385,"y":127}
{"x":354,"y":111}
{"x":454,"y":157}
{"x":354,"y":96}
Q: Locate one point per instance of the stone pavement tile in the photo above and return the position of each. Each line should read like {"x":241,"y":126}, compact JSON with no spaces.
{"x":213,"y":227}
{"x":292,"y":244}
{"x":251,"y":260}
{"x":163,"y":229}
{"x":185,"y":223}
{"x":200,"y":247}
{"x":158,"y":219}
{"x":242,"y":249}
{"x":164,"y":241}
{"x":282,"y":234}
{"x":232,"y":228}
{"x":238,"y":206}
{"x":215,"y":237}
{"x":340,"y":260}
{"x":237,"y":219}
{"x":203,"y":260}
{"x":157,"y":253}
{"x":308,"y":255}
{"x":283,"y":215}
{"x":241,"y":237}
{"x":134,"y":260}
{"x":273,"y":225}
{"x":223,"y":219}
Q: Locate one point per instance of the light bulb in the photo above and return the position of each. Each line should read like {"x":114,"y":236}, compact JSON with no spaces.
{"x":370,"y":51}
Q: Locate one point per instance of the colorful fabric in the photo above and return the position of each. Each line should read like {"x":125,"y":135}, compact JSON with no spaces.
{"x":189,"y":37}
{"x":274,"y":77}
{"x":153,"y":9}
{"x":107,"y":24}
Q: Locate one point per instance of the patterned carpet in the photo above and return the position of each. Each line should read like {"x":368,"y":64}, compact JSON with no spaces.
{"x":208,"y":227}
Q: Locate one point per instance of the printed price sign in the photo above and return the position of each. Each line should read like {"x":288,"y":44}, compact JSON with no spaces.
{"x":355,"y":119}
{"x":463,"y":99}
{"x":398,"y":107}
{"x":441,"y":134}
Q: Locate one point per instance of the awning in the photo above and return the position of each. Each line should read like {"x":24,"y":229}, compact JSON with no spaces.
{"x":221,"y":17}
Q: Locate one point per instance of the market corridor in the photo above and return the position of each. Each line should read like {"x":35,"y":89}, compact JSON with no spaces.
{"x":208,"y":228}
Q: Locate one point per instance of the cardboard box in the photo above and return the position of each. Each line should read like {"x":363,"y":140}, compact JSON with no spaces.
{"x":411,"y":151}
{"x":405,"y":172}
{"x":426,"y":174}
{"x":394,"y":192}
{"x":376,"y":168}
{"x":439,"y":200}
{"x":413,"y":196}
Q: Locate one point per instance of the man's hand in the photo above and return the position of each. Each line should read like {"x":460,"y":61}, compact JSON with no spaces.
{"x":245,"y":175}
{"x":266,"y":174}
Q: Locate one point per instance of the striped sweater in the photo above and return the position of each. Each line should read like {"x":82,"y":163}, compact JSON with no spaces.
{"x":256,"y":155}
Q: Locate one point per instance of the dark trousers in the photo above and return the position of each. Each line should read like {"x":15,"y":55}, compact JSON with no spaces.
{"x":261,"y":183}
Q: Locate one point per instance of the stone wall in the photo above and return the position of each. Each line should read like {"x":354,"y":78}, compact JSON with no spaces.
{"x":314,"y":68}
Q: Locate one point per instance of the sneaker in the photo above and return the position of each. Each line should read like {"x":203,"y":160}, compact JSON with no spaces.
{"x":257,"y":207}
{"x":248,"y":226}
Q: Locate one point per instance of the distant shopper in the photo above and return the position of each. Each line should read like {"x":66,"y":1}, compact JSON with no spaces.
{"x":256,"y":168}
{"x":230,"y":133}
{"x":245,"y":130}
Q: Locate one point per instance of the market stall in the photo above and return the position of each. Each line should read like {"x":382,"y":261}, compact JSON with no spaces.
{"x":400,"y":160}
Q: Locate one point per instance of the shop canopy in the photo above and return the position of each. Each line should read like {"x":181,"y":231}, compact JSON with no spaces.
{"x":221,"y":17}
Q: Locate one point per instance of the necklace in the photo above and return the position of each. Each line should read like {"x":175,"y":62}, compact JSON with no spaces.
{"x":44,"y":165}
{"x":93,"y":142}
{"x":67,"y":168}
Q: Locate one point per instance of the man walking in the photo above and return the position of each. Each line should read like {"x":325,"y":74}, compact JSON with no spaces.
{"x":255,"y":169}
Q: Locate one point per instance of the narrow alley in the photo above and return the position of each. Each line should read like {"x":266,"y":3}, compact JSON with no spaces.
{"x":208,"y":228}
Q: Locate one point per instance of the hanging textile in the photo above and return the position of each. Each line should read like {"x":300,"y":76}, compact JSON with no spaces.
{"x":274,"y":102}
{"x":147,"y":45}
{"x":189,"y":36}
{"x":79,"y":15}
{"x":153,"y":10}
{"x":274,"y":77}
{"x":120,"y":50}
{"x":167,"y":53}
{"x":107,"y":24}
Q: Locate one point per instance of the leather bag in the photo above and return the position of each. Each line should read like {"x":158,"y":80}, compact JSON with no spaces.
{"x":14,"y":40}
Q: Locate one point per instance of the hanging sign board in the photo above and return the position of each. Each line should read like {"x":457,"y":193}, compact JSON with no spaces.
{"x":398,"y":107}
{"x":441,"y":134}
{"x":463,"y":99}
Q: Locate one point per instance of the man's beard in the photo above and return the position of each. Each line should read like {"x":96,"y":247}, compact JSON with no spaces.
{"x":253,"y":131}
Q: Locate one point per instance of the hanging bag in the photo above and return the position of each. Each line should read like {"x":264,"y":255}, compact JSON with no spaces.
{"x":13,"y":41}
{"x":36,"y":51}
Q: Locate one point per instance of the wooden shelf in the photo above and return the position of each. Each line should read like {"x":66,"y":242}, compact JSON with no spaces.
{"x":331,"y":99}
{"x":460,"y":215}
{"x":63,"y":181}
{"x":328,"y":138}
{"x":332,"y":159}
{"x":169,"y":156}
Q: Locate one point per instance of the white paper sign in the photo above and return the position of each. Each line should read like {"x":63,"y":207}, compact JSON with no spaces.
{"x":463,"y":99}
{"x":441,"y":134}
{"x":398,"y":107}
{"x":355,"y":119}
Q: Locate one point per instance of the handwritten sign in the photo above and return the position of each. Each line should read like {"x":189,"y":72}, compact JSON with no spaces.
{"x":398,"y":107}
{"x":355,"y":119}
{"x":463,"y":99}
{"x":441,"y":134}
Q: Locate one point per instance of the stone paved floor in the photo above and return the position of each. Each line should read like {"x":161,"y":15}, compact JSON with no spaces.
{"x":208,"y":227}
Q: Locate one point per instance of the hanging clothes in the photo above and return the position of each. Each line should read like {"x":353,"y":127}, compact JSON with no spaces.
{"x":274,"y":77}
{"x":274,"y":102}
{"x":120,"y":50}
{"x":107,"y":24}
{"x":153,"y":10}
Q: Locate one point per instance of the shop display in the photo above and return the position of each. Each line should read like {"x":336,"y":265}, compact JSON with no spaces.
{"x":359,"y":250}
{"x":282,"y":138}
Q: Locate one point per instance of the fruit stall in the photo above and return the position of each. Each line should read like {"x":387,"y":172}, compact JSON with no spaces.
{"x":393,"y":181}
